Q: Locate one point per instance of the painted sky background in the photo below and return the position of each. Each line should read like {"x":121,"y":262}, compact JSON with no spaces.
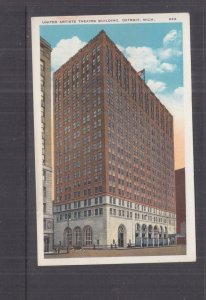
{"x":157,"y":47}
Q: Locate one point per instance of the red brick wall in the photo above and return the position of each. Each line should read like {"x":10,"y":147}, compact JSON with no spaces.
{"x":155,"y":153}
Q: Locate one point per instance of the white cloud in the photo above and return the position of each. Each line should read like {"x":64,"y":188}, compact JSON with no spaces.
{"x":155,"y":60}
{"x":156,"y":86}
{"x":167,"y":53}
{"x":146,"y":58}
{"x":170,"y":37}
{"x":143,"y":58}
{"x":167,"y":67}
{"x":152,"y":60}
{"x":179,"y":92}
{"x":64,"y":50}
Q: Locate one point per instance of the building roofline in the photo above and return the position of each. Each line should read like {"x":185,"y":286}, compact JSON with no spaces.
{"x":81,"y":49}
{"x":103,"y":32}
{"x":46,"y":43}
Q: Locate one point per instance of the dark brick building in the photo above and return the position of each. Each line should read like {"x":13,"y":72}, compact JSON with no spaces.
{"x":113,"y":139}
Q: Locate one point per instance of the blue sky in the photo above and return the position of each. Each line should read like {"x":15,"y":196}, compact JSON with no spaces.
{"x":128,"y":35}
{"x":157,"y":47}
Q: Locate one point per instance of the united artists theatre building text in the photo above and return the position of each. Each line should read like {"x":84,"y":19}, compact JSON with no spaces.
{"x":113,"y":153}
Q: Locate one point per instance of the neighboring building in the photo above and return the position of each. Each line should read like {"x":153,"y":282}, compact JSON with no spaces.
{"x":45,"y":62}
{"x":114,"y":153}
{"x":180,"y":202}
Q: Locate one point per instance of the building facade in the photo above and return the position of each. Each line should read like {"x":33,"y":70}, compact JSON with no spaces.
{"x":45,"y":63}
{"x":113,"y":153}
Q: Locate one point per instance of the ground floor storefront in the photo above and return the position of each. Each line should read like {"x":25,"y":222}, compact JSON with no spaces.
{"x":109,"y":229}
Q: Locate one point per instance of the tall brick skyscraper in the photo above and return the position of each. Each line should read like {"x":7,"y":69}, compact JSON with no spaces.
{"x":114,"y":152}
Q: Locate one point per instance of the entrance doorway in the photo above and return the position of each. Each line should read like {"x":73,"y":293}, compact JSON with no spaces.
{"x":121,"y":236}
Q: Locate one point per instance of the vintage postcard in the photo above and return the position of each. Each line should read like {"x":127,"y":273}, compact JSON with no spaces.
{"x":113,"y":139}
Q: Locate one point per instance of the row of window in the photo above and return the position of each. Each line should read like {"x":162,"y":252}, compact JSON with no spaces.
{"x":80,"y":214}
{"x":162,"y":117}
{"x":113,"y":201}
{"x":129,"y":215}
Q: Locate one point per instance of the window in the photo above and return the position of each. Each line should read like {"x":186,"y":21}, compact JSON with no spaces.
{"x":44,"y":191}
{"x":44,"y":207}
{"x":88,"y":236}
{"x":44,"y":175}
{"x":77,"y":236}
{"x":101,"y":211}
{"x":42,"y":65}
{"x":44,"y":224}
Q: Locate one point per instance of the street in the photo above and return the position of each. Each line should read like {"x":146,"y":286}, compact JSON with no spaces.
{"x":173,"y":250}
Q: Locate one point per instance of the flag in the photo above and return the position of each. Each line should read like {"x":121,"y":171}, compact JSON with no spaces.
{"x":141,"y":74}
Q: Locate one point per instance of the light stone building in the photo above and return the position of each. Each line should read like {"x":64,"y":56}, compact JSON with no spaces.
{"x":105,"y":221}
{"x":45,"y":63}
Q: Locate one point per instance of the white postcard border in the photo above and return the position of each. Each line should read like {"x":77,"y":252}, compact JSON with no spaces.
{"x":189,"y":164}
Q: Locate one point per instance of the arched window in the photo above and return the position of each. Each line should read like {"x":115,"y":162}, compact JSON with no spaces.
{"x":150,"y":231}
{"x":68,"y":237}
{"x":121,"y":236}
{"x":156,"y":231}
{"x":77,"y":236}
{"x":88,"y":236}
{"x":165,"y":235}
{"x":161,"y":231}
{"x":137,"y":228}
{"x":144,"y":230}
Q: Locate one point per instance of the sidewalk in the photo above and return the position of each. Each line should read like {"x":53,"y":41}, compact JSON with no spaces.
{"x":172,"y":250}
